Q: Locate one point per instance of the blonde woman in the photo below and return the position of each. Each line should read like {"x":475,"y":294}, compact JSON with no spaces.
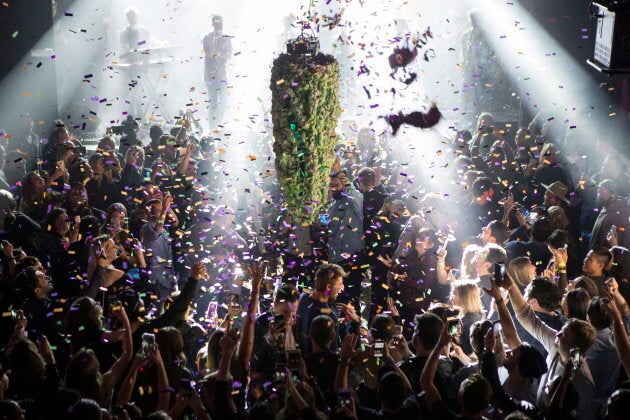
{"x":467,"y":267}
{"x":522,"y":271}
{"x":466,"y":296}
{"x":557,"y":217}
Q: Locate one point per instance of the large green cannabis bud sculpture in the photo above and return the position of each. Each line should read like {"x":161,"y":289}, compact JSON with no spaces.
{"x":305,"y":108}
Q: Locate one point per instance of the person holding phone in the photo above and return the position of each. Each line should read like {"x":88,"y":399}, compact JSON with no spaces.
{"x":155,"y":237}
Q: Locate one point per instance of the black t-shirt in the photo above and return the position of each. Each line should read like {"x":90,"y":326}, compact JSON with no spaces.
{"x":323,"y":366}
{"x":412,"y":368}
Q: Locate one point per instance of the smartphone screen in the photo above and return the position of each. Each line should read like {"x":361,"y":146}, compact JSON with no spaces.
{"x":499,"y":273}
{"x":344,"y":399}
{"x":379,"y":346}
{"x":453,"y":326}
{"x":496,"y":327}
{"x":279,"y":375}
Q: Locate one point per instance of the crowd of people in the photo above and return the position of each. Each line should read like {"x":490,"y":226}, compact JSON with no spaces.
{"x":131,"y":289}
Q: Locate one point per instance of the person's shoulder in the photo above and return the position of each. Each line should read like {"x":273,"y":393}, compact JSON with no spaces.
{"x":473,"y":317}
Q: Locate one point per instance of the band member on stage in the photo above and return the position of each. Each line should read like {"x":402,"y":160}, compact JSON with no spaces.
{"x":134,"y":34}
{"x":217,"y":48}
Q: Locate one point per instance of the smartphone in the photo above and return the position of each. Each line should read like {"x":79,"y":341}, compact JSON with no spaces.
{"x":453,"y":326}
{"x":293,"y":360}
{"x":186,"y":385}
{"x":324,"y":219}
{"x":496,"y":327}
{"x":613,"y":230}
{"x":113,"y":303}
{"x":344,"y":399}
{"x":279,"y":375}
{"x":379,"y":347}
{"x":576,"y":358}
{"x":148,"y":343}
{"x":456,"y":273}
{"x":398,"y":335}
{"x":499,"y":273}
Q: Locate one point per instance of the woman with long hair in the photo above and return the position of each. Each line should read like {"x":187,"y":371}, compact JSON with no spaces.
{"x":84,"y":326}
{"x":130,"y":250}
{"x":102,"y":253}
{"x":57,"y":251}
{"x":575,"y":303}
{"x":522,"y":271}
{"x":467,"y":267}
{"x":466,"y":296}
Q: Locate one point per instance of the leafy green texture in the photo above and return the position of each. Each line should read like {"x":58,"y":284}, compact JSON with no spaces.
{"x":305,"y":108}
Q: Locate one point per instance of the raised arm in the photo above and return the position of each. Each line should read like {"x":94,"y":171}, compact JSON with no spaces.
{"x":442,"y":275}
{"x":116,"y":372}
{"x":183,"y":164}
{"x":431,"y":393}
{"x":246,"y":346}
{"x":528,"y":319}
{"x":507,"y":323}
{"x":346,"y":353}
{"x":126,"y":389}
{"x":167,"y":201}
{"x":560,"y":258}
{"x":227,"y":344}
{"x":622,"y":342}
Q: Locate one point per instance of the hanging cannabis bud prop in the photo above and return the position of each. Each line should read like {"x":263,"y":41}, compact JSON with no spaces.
{"x":305,"y":108}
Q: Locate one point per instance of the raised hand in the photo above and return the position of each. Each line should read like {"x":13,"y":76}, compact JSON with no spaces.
{"x":348,"y":347}
{"x":349,"y":311}
{"x":490,"y":340}
{"x":391,"y":306}
{"x":199,"y":271}
{"x":257,"y":272}
{"x":386,"y":260}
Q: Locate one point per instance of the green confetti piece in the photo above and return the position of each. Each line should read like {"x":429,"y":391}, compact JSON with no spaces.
{"x":15,"y":34}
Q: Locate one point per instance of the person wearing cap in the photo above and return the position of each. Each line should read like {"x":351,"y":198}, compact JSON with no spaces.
{"x":481,"y":210}
{"x":612,"y":211}
{"x":344,"y":232}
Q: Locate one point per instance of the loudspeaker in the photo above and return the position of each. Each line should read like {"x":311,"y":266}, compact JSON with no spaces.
{"x":612,"y":39}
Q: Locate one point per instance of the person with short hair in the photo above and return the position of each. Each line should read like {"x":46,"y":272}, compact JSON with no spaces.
{"x":425,"y":337}
{"x":481,"y":210}
{"x":474,"y":395}
{"x":575,"y":335}
{"x":156,"y":240}
{"x":602,"y":357}
{"x":344,"y":233}
{"x":544,"y":297}
{"x":322,"y":362}
{"x":536,"y":248}
{"x":613,"y":210}
{"x":596,"y":263}
{"x":328,"y":285}
{"x":494,"y":232}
